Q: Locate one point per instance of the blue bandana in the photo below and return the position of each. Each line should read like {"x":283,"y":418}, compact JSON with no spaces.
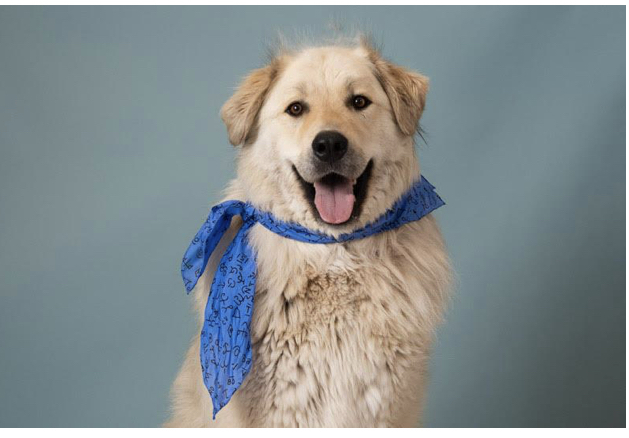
{"x":225,"y":338}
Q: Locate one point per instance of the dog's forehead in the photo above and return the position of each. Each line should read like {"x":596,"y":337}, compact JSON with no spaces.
{"x":328,"y":67}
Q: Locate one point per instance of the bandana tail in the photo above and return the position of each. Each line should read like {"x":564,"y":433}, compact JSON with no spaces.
{"x":225,"y":339}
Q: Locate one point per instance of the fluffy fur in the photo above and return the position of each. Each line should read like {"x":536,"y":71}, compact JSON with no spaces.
{"x":341,"y":333}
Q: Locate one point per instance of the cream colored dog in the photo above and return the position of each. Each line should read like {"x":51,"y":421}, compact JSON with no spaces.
{"x":341,"y":332}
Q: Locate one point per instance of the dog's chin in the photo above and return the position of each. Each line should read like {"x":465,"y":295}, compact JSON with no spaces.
{"x":335,"y":199}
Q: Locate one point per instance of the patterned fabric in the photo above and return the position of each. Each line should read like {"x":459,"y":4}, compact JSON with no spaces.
{"x":225,"y":341}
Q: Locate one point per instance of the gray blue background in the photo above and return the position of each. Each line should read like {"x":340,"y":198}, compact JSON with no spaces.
{"x":111,"y":152}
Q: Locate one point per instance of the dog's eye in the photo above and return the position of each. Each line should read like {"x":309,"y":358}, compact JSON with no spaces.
{"x":295,"y":109}
{"x":360,"y":102}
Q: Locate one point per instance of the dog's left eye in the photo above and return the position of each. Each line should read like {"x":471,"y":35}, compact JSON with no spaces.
{"x":360,"y":102}
{"x":295,"y":109}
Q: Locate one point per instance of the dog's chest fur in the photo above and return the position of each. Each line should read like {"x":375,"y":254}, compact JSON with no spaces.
{"x":339,"y":332}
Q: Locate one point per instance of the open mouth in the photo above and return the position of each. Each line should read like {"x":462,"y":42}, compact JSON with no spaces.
{"x":336,"y":198}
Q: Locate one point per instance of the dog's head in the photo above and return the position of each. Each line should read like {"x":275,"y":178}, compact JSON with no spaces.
{"x":327,"y":135}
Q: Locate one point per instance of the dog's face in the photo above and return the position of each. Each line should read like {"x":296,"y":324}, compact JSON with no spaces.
{"x":327,"y":135}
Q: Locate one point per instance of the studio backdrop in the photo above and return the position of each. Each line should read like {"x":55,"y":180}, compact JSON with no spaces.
{"x":112,"y":152}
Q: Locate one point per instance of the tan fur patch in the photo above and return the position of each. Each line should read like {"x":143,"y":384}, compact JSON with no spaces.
{"x":406,"y":90}
{"x":239,"y":113}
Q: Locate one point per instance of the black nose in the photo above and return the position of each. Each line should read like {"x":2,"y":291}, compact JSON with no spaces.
{"x":329,"y":146}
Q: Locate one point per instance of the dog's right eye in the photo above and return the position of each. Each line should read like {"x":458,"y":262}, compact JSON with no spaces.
{"x":360,"y":102}
{"x":295,"y":109}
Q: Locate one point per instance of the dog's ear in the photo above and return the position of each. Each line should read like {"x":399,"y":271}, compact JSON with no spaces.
{"x":239,"y":113}
{"x":406,"y":91}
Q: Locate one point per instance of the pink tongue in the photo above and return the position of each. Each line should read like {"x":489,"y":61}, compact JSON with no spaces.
{"x":334,"y":202}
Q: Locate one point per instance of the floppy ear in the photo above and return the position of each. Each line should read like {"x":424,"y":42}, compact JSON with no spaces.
{"x":406,"y":91}
{"x":239,"y":113}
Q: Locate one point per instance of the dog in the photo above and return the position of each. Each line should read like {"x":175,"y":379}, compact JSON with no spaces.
{"x":341,"y":333}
